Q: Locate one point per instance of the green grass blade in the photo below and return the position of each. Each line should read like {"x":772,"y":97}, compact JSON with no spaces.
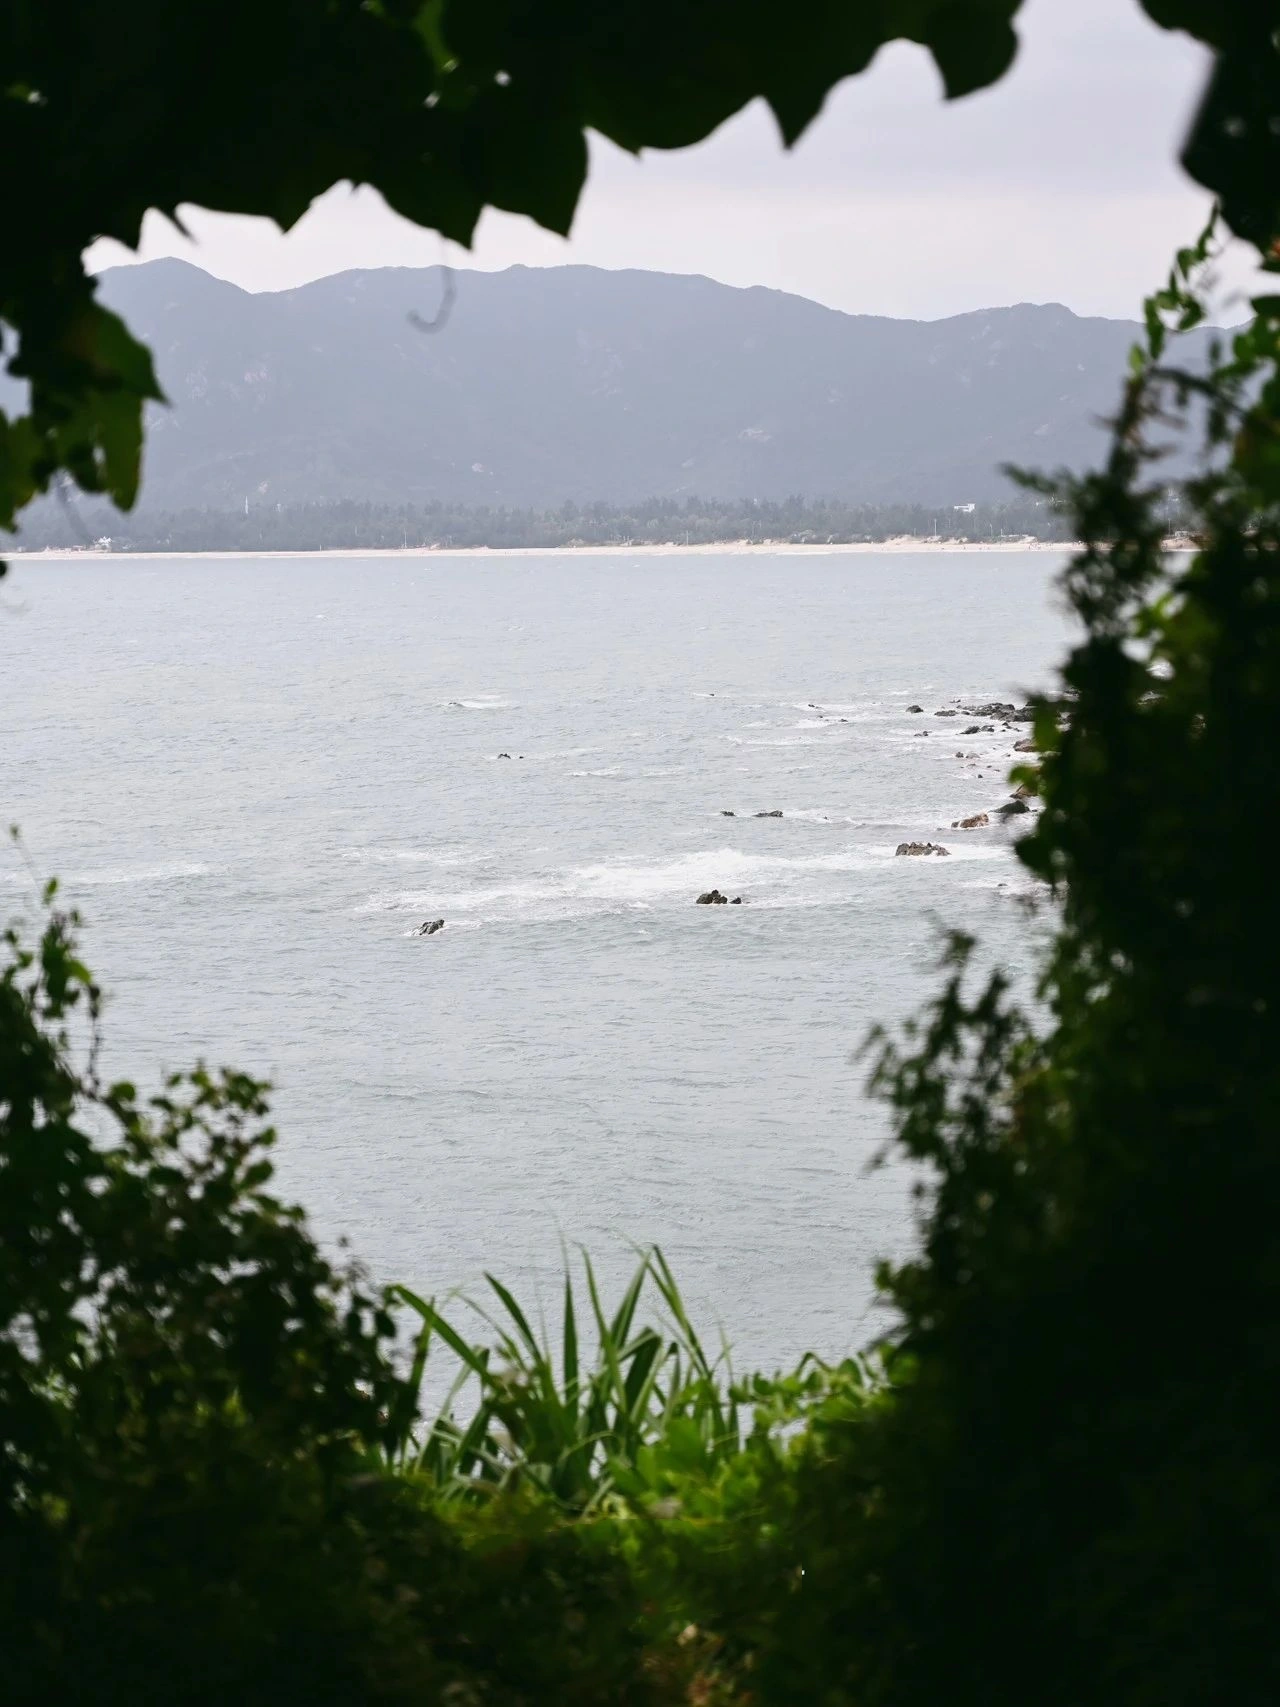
{"x":536,"y":1351}
{"x":469,"y":1355}
{"x":570,"y":1354}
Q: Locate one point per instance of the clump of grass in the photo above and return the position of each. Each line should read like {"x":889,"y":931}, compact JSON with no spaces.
{"x":569,"y":1426}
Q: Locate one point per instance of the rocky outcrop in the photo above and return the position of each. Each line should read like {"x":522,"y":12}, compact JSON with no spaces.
{"x":977,"y":822}
{"x":725,"y":813}
{"x":776,"y":813}
{"x":946,"y":712}
{"x":914,"y":710}
{"x":429,"y":927}
{"x":921,"y":848}
{"x":1024,"y":792}
{"x":1027,"y":746}
{"x":713,"y":898}
{"x":1003,"y":709}
{"x":1012,"y":808}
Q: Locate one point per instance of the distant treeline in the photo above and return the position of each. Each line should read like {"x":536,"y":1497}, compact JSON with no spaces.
{"x":346,"y":524}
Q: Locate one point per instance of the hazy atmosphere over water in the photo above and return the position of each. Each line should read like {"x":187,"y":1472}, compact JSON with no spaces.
{"x":257,"y":778}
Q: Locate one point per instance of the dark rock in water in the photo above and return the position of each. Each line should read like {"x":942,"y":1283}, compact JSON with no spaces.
{"x":725,"y":813}
{"x":974,"y":823}
{"x":736,"y":902}
{"x":921,"y":848}
{"x":948,"y":713}
{"x":774,"y":814}
{"x":915,"y":708}
{"x":1025,"y":714}
{"x":1027,"y":746}
{"x":1011,"y":808}
{"x":430,"y":927}
{"x":504,"y":755}
{"x":922,"y":732}
{"x":713,"y":898}
{"x":1022,"y":792}
{"x":997,"y":708}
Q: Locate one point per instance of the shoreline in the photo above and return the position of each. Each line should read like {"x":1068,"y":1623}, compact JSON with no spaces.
{"x":902,"y":545}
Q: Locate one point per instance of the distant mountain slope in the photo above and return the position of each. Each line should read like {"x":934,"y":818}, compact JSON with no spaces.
{"x":572,"y":382}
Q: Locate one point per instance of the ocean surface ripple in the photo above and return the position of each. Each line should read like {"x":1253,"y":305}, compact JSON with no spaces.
{"x":257,"y":778}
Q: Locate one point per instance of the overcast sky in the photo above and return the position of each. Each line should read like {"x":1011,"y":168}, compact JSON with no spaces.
{"x":1059,"y":185}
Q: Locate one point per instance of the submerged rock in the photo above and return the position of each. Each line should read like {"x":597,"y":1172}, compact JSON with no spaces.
{"x":504,"y":755}
{"x":712,"y":898}
{"x":725,"y":813}
{"x":736,"y":902}
{"x":774,"y":814}
{"x":430,"y":926}
{"x":921,"y":848}
{"x":914,"y":708}
{"x":974,"y":823}
{"x":945,"y":712}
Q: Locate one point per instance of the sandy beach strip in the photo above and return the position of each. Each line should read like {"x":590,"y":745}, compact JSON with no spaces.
{"x":903,"y":545}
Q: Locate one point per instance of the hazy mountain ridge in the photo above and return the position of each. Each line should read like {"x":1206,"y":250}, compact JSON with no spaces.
{"x":546,"y":384}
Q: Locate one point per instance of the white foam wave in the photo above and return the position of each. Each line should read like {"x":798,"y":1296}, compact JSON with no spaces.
{"x":448,"y":857}
{"x":801,"y":740}
{"x":487,"y":702}
{"x":166,"y":872}
{"x":774,"y":880}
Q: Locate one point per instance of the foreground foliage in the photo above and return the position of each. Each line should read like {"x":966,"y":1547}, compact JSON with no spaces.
{"x":1062,"y":1483}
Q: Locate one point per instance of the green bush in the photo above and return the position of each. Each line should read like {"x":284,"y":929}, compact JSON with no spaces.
{"x":196,"y":1412}
{"x":1075,"y":1494}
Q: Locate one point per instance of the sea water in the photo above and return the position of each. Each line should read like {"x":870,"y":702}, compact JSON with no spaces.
{"x":257,"y":778}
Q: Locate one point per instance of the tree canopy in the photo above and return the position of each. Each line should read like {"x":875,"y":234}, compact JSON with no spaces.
{"x":446,"y":107}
